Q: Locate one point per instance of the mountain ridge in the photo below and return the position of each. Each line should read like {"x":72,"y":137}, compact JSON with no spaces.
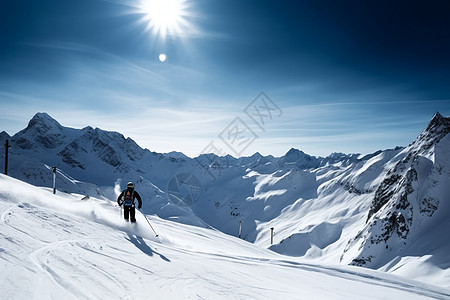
{"x":366,"y":210}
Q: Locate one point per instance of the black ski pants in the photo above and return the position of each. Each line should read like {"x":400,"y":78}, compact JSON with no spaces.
{"x":129,"y":211}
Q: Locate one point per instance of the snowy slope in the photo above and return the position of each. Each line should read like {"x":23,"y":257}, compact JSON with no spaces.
{"x":387,"y":210}
{"x":62,"y":247}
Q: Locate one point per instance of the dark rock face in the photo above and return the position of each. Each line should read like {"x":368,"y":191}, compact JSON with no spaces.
{"x":428,"y":206}
{"x":383,"y":194}
{"x":50,"y":141}
{"x":106,"y":153}
{"x":361,"y":262}
{"x":68,"y":154}
{"x":92,"y":140}
{"x":395,"y":189}
{"x":398,"y":204}
{"x":354,"y":190}
{"x":24,"y":144}
{"x":438,"y":128}
{"x":399,"y":185}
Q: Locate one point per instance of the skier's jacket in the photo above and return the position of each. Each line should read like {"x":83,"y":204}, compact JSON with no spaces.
{"x":127,"y":198}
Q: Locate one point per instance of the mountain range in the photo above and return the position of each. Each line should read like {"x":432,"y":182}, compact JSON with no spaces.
{"x":386,"y":210}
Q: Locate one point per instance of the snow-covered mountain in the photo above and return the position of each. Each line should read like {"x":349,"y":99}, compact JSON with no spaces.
{"x":411,"y":203}
{"x":63,"y":247}
{"x":385,"y":210}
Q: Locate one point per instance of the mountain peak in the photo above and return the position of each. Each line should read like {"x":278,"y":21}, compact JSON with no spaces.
{"x":42,"y":129}
{"x":294,"y":151}
{"x":44,"y":121}
{"x":438,"y":128}
{"x":437,"y":121}
{"x":4,"y":136}
{"x":256,"y":155}
{"x":299,"y":158}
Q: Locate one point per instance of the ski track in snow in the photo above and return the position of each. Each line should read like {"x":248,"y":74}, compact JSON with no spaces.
{"x":118,"y":282}
{"x":116,"y":259}
{"x":5,"y":213}
{"x":40,"y":258}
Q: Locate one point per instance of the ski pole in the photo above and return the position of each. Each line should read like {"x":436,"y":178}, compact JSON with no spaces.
{"x":149,"y":223}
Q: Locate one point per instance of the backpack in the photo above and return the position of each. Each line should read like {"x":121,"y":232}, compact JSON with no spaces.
{"x":128,"y":198}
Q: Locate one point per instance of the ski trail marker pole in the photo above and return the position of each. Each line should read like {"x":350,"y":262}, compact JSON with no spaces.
{"x":54,"y":179}
{"x":149,"y":223}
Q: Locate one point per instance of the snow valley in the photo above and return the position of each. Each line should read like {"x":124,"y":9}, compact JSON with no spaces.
{"x":345,"y":226}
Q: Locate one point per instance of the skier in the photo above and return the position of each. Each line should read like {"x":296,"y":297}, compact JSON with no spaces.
{"x":127,"y":199}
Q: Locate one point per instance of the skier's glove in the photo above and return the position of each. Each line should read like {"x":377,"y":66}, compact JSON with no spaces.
{"x":139,"y":206}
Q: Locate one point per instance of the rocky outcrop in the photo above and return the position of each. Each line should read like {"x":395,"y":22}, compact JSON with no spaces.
{"x":401,"y":201}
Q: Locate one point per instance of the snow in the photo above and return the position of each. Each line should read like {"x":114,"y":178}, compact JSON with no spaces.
{"x":387,"y":211}
{"x":62,"y":247}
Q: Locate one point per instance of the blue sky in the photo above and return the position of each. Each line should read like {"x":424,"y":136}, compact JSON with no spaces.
{"x":340,"y":76}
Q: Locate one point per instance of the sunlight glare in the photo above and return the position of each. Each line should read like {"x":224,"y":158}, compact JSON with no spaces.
{"x":164,"y":17}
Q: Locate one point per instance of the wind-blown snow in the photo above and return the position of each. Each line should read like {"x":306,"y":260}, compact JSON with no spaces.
{"x":62,"y":247}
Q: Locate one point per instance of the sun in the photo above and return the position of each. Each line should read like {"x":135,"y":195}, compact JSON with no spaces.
{"x":164,"y":17}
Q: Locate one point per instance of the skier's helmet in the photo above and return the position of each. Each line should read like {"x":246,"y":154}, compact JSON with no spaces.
{"x":130,"y":185}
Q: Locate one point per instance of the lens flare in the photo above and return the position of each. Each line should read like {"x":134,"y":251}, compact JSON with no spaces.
{"x":164,"y":17}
